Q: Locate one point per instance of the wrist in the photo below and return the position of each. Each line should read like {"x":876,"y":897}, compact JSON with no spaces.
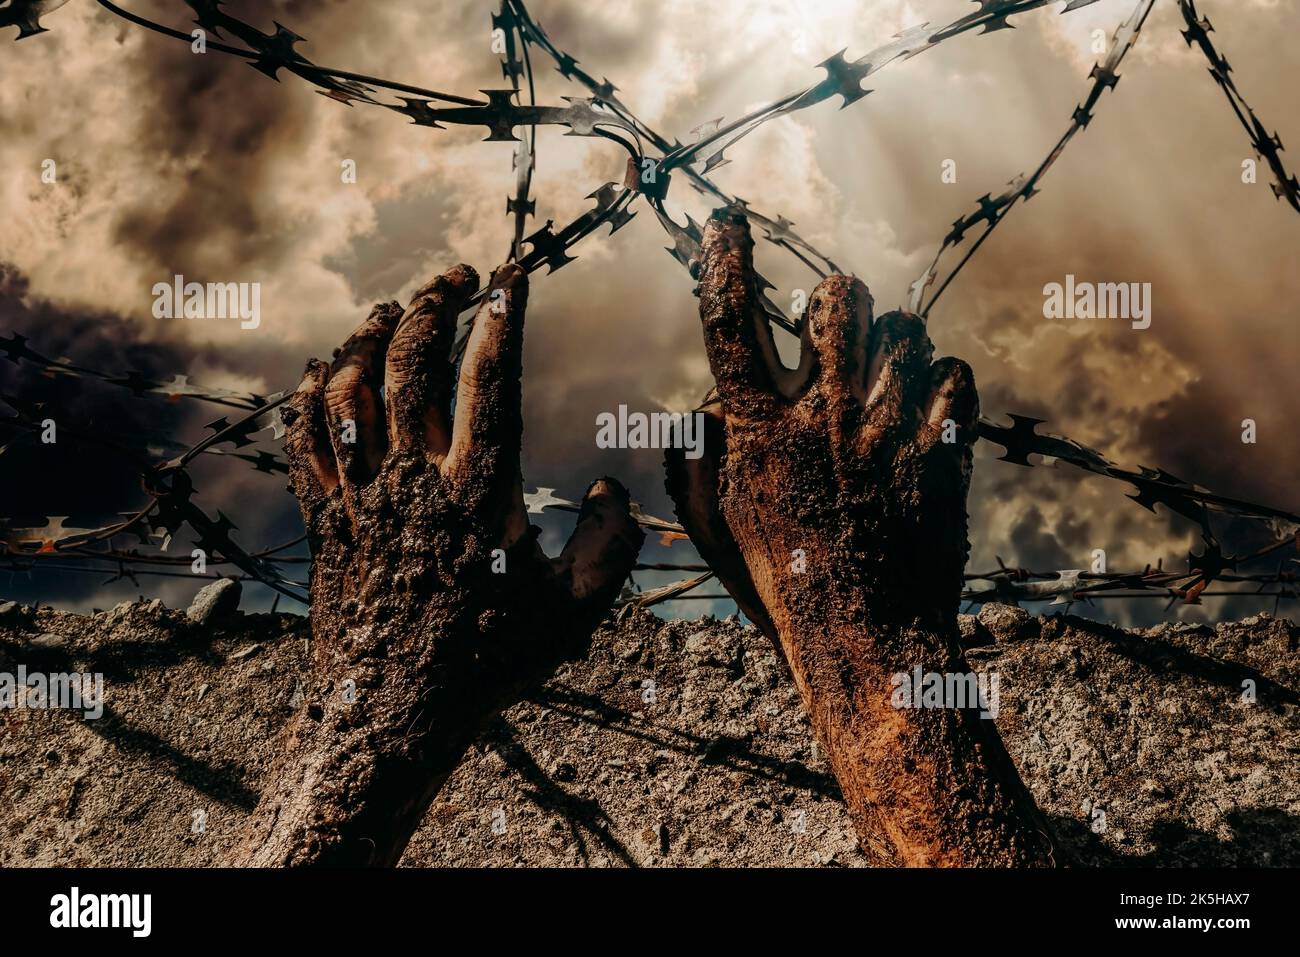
{"x":856,"y":597}
{"x":337,"y":747}
{"x":925,"y":772}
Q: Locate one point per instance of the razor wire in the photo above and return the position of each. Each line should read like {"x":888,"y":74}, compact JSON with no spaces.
{"x":170,"y":485}
{"x":603,"y":114}
{"x":993,"y":210}
{"x":171,"y":506}
{"x":1267,"y":145}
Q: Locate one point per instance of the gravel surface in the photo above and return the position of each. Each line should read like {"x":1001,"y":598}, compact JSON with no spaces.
{"x":677,"y":743}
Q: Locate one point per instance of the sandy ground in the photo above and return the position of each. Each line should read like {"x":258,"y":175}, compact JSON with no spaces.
{"x":675,"y":743}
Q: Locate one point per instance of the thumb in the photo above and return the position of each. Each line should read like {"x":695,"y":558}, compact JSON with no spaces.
{"x":603,"y":547}
{"x":693,"y":485}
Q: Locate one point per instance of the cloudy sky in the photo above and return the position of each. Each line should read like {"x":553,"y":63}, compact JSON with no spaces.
{"x":170,"y":162}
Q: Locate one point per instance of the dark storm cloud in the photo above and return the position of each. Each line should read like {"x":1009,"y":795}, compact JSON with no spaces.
{"x":92,"y":472}
{"x":77,"y":475}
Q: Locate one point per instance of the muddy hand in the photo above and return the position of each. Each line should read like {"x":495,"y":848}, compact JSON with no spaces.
{"x":831,"y":503}
{"x":432,"y":605}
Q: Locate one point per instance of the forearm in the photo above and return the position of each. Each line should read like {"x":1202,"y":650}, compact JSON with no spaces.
{"x":351,"y":791}
{"x":925,"y":785}
{"x":392,"y":709}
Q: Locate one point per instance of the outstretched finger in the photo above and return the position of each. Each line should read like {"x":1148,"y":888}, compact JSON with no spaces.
{"x":839,"y":332}
{"x":692,"y":484}
{"x":352,"y":401}
{"x":737,"y":336}
{"x":484,"y":456}
{"x":313,"y":474}
{"x":603,"y":547}
{"x":898,"y":376}
{"x":418,"y":373}
{"x":952,"y":412}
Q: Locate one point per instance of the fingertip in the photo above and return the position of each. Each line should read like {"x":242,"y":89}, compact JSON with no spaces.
{"x":899,"y":340}
{"x":954,"y":370}
{"x":727,"y":231}
{"x":610,"y":505}
{"x":314,"y":374}
{"x":953,"y":393}
{"x":509,"y":276}
{"x":507,"y":293}
{"x":843,"y":282}
{"x":729,"y":215}
{"x":374,"y":331}
{"x":464,"y":278}
{"x":456,"y":284}
{"x":383,"y":316}
{"x":900,"y":323}
{"x":838,"y":326}
{"x":607,"y":491}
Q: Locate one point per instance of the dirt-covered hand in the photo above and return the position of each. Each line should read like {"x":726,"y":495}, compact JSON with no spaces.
{"x":432,"y":604}
{"x":831,"y":503}
{"x":845,"y":478}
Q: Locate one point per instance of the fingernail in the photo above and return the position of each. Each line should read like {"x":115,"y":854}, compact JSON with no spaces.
{"x":310,"y":372}
{"x":507,"y":276}
{"x":730,"y":215}
{"x":611,"y":487}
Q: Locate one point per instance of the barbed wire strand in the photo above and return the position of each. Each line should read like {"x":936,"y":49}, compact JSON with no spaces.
{"x":270,"y":53}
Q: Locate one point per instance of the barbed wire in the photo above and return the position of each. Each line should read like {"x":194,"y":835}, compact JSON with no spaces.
{"x":1020,"y":440}
{"x":26,"y":15}
{"x":993,"y":210}
{"x":1154,"y":486}
{"x":1267,"y":146}
{"x":1067,"y":586}
{"x":604,"y":115}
